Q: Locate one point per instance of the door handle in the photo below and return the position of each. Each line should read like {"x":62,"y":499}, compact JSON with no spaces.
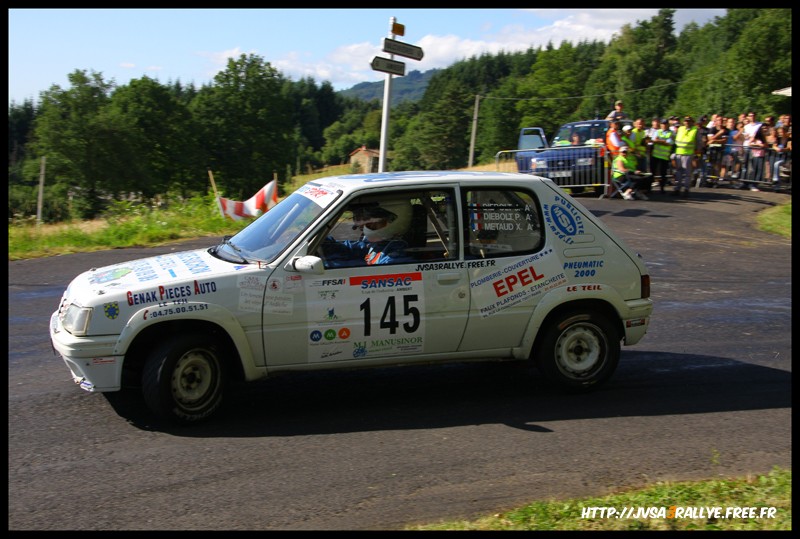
{"x":448,"y":277}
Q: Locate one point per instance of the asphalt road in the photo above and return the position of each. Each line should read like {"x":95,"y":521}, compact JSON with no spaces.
{"x":707,"y":393}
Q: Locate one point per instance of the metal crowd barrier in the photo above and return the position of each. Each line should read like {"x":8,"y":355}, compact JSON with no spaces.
{"x":742,"y":168}
{"x":581,"y":169}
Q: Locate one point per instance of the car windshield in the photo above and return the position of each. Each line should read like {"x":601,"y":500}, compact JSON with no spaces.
{"x":586,"y":133}
{"x":266,"y":237}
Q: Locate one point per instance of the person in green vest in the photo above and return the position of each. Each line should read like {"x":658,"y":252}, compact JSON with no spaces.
{"x":663,"y":139}
{"x":629,"y":179}
{"x":687,"y":149}
{"x":640,"y":140}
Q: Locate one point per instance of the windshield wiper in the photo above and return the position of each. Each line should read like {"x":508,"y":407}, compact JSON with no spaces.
{"x":237,"y":250}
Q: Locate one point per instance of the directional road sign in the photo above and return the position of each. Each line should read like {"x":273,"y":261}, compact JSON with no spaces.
{"x":393,"y":46}
{"x":386,"y":65}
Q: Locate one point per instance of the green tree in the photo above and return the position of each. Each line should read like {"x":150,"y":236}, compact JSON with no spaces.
{"x":552,"y":90}
{"x":78,"y":141}
{"x":245,"y":125}
{"x":744,"y":76}
{"x":20,"y":126}
{"x":163,"y":151}
{"x":440,"y":139}
{"x":498,"y":122}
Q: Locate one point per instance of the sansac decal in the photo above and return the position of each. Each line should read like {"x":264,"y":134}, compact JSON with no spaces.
{"x":365,"y":316}
{"x":510,"y":285}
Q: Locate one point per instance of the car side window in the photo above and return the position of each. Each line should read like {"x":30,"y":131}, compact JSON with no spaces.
{"x":501,"y":222}
{"x":399,"y":227}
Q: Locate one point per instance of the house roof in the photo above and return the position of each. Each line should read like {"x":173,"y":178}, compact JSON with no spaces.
{"x":364,"y":149}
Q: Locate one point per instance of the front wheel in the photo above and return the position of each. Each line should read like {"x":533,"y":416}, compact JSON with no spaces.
{"x":184,"y":378}
{"x":578,"y":350}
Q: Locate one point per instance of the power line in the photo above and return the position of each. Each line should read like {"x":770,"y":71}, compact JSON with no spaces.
{"x":610,"y":94}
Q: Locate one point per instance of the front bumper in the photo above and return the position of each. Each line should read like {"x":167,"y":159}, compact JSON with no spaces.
{"x":91,"y":360}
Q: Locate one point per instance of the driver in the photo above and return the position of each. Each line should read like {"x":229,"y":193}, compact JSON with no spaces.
{"x":383,"y":226}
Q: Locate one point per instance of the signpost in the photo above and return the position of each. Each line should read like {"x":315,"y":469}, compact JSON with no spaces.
{"x":392,"y":67}
{"x":403,"y":49}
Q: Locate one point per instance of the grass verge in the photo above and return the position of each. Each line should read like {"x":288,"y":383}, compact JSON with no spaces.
{"x":668,"y":506}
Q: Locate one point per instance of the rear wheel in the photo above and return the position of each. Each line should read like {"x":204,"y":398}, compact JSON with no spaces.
{"x":578,"y":350}
{"x":183,"y":379}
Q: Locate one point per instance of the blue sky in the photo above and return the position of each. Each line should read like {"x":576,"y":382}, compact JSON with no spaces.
{"x":335,"y":45}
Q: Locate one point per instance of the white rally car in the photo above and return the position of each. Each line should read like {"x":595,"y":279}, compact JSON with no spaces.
{"x":364,"y":270}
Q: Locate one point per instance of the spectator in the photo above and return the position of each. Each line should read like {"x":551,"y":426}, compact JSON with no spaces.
{"x":674,"y":124}
{"x":687,"y":150}
{"x":630,"y":180}
{"x":754,"y":149}
{"x":732,"y":151}
{"x":663,"y":140}
{"x":781,"y":145}
{"x":700,"y":162}
{"x":614,"y":139}
{"x":651,"y":135}
{"x":770,"y":139}
{"x":639,"y":137}
{"x":716,"y":138}
{"x":787,"y":126}
{"x":627,"y":139}
{"x":743,"y":118}
{"x":617,"y":113}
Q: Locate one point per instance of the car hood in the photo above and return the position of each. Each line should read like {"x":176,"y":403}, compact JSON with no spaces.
{"x":151,"y":273}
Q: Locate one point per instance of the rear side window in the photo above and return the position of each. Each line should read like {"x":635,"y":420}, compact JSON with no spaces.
{"x":501,"y":222}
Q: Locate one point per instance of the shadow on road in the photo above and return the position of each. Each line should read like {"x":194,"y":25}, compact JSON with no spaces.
{"x":425,"y":397}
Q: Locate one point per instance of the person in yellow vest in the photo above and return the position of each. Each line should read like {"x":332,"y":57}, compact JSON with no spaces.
{"x":663,"y":139}
{"x":687,"y":149}
{"x":640,"y":140}
{"x":629,"y":140}
{"x":630,"y":180}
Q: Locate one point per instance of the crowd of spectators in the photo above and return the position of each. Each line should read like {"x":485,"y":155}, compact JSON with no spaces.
{"x":741,"y":149}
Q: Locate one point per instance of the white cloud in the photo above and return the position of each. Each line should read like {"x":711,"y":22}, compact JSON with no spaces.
{"x":574,"y":25}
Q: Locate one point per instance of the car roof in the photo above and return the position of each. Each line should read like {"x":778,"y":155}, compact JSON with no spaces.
{"x":354,"y":182}
{"x":598,"y":121}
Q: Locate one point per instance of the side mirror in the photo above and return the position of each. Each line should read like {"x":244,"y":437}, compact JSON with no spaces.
{"x":308,"y":264}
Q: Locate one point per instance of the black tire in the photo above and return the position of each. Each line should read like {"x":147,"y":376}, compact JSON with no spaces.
{"x":578,"y":351}
{"x":183,"y":379}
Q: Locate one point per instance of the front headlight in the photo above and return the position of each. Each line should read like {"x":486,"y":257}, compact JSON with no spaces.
{"x":537,"y":164}
{"x":584,"y":161}
{"x":76,"y":319}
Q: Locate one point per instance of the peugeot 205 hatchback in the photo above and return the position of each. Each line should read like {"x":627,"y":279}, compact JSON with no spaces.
{"x":364,"y":270}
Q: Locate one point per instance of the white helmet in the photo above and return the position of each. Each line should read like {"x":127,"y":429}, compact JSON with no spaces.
{"x":396,"y":213}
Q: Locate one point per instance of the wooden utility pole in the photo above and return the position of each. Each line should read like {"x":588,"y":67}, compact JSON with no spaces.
{"x":40,"y":202}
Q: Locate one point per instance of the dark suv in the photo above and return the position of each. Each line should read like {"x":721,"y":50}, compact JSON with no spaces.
{"x":575,"y":164}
